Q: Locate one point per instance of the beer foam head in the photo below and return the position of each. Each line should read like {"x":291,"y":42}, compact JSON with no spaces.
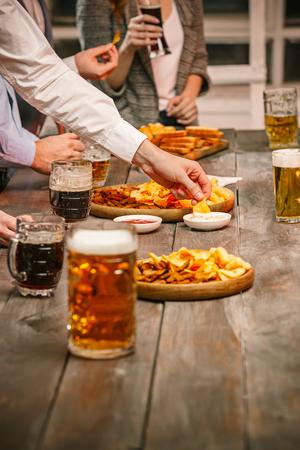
{"x":286,"y":158}
{"x":102,"y":242}
{"x":71,"y":176}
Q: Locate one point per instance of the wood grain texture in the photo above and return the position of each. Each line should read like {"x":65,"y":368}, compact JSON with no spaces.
{"x":102,"y":404}
{"x":33,"y":343}
{"x":271,"y":309}
{"x":198,"y":385}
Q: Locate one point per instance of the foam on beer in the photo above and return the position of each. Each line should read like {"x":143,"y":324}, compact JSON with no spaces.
{"x":286,"y":158}
{"x":102,"y":242}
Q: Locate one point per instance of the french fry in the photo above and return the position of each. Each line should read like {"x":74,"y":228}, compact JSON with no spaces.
{"x":116,"y":38}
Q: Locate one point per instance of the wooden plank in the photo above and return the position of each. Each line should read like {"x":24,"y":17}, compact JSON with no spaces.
{"x":104,"y":404}
{"x":198,"y":386}
{"x":252,"y":141}
{"x":33,"y":343}
{"x":271,"y":310}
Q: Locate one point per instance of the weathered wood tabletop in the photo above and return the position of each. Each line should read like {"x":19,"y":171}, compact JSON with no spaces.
{"x":207,"y":375}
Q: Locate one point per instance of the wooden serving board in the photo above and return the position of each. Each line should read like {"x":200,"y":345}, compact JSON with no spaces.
{"x":198,"y":153}
{"x":195,"y":291}
{"x":167,"y":215}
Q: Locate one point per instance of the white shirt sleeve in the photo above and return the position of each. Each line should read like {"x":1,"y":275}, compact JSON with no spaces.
{"x":34,"y":70}
{"x":70,"y":62}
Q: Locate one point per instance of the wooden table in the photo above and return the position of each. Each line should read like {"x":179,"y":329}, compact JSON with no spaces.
{"x":215,"y":375}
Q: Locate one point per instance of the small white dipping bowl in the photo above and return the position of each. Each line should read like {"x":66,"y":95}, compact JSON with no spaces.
{"x":141,"y":227}
{"x":208,"y":225}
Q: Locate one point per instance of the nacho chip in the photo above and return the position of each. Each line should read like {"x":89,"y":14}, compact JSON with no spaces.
{"x":116,"y":38}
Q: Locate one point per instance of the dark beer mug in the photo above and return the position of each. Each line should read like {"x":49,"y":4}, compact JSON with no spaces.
{"x":35,"y":255}
{"x":71,"y":189}
{"x":153,"y":8}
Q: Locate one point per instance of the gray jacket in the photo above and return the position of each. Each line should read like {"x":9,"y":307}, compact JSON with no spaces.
{"x":137,"y":100}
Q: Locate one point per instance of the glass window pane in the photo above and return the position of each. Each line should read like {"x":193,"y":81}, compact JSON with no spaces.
{"x":66,"y":47}
{"x":292,"y":60}
{"x":63,"y":12}
{"x":227,"y":6}
{"x":292,"y":13}
{"x":219,"y":54}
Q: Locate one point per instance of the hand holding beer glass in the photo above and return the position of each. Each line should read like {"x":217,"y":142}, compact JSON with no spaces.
{"x":71,"y":189}
{"x":281,"y":117}
{"x":102,"y":289}
{"x":286,"y":172}
{"x":153,"y":8}
{"x":35,"y":254}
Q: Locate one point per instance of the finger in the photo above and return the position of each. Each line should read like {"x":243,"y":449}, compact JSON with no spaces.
{"x":148,"y":18}
{"x":68,"y":136}
{"x":98,"y":51}
{"x":180,"y":107}
{"x":173,"y":102}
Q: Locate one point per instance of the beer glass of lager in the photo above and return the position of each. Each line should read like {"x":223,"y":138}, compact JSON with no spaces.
{"x":102,"y":289}
{"x":36,"y":253}
{"x":281,"y":117}
{"x":286,"y":172}
{"x":100,"y":159}
{"x":71,"y":189}
{"x":153,"y":8}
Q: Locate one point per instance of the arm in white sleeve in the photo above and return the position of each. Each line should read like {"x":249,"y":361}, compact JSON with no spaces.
{"x":30,"y":65}
{"x":70,"y":62}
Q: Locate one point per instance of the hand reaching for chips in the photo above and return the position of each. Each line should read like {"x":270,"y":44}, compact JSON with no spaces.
{"x":191,"y":266}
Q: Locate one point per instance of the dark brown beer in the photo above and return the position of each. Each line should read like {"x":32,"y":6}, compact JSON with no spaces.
{"x":72,"y":205}
{"x":155,"y":11}
{"x":42,"y":263}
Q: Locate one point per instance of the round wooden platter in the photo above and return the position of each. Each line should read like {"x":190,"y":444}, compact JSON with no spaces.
{"x":195,"y":291}
{"x":167,"y":215}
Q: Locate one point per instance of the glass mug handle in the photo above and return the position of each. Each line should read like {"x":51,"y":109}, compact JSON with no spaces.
{"x":11,"y":261}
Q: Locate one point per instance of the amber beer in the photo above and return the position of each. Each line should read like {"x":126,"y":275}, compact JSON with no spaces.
{"x":71,"y":189}
{"x":100,"y":159}
{"x":286,"y":172}
{"x":282,"y":130}
{"x":35,"y":255}
{"x":102,"y":291}
{"x":281,"y":117}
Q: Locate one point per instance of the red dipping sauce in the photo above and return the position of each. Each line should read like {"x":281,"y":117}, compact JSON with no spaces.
{"x":139,"y":221}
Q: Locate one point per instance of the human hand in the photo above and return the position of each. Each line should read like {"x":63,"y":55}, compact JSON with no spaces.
{"x":7,"y":228}
{"x":63,"y":146}
{"x":183,"y":107}
{"x":185,"y":178}
{"x":141,"y":33}
{"x":89,"y":67}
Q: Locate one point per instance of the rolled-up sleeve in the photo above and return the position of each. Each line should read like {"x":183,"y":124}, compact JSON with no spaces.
{"x":30,"y":65}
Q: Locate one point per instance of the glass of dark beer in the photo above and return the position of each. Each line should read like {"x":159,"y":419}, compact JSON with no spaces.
{"x":35,"y":255}
{"x":153,"y":8}
{"x":102,"y":289}
{"x":71,"y":189}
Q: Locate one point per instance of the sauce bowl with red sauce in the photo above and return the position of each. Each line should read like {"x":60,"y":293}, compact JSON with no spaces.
{"x":142,"y":222}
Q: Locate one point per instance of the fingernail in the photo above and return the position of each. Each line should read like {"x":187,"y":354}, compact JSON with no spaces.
{"x":199,"y":196}
{"x":179,"y":121}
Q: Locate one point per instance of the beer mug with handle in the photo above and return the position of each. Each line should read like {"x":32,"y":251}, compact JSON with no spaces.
{"x":71,"y":189}
{"x":35,"y":254}
{"x":102,"y":289}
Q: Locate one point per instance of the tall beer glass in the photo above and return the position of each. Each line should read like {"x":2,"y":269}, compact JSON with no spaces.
{"x":153,"y":8}
{"x":281,"y":117}
{"x":35,"y":254}
{"x":102,"y":289}
{"x":286,"y":172}
{"x":100,"y":159}
{"x":71,"y":189}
